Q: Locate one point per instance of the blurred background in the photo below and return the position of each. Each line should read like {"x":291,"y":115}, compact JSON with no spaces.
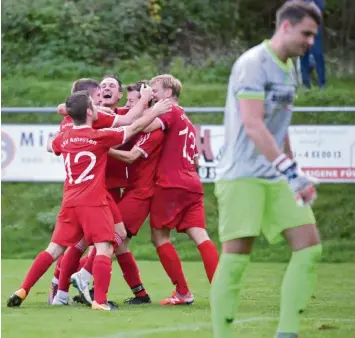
{"x":47,"y":44}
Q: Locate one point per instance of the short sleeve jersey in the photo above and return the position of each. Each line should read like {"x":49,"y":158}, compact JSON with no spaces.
{"x":141,"y":173}
{"x":258,"y":74}
{"x":104,"y":120}
{"x":116,"y":172}
{"x":176,"y":167}
{"x":85,"y":152}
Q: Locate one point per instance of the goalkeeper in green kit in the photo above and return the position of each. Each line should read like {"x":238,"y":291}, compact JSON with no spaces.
{"x":259,"y":188}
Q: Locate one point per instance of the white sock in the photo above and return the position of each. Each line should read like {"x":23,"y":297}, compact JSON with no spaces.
{"x":55,"y":280}
{"x":85,"y":275}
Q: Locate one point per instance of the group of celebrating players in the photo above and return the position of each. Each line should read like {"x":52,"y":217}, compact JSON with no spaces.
{"x":122,"y":164}
{"x":259,"y":186}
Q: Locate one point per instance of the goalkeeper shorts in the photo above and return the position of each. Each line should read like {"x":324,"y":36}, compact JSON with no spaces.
{"x":251,"y":206}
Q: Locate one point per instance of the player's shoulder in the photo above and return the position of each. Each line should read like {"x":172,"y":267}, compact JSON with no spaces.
{"x":253,"y":57}
{"x":101,"y":113}
{"x":59,"y":135}
{"x":177,"y":110}
{"x":67,"y":122}
{"x":109,"y":130}
{"x":156,"y":135}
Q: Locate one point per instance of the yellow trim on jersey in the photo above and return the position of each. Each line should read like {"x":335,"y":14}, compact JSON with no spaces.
{"x":285,"y":66}
{"x":251,"y":95}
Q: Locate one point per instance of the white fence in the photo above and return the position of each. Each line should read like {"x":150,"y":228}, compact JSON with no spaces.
{"x":199,"y":110}
{"x":326,"y":152}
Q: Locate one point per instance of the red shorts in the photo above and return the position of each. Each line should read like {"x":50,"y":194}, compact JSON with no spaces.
{"x":116,"y":194}
{"x":176,"y":208}
{"x":117,"y":217}
{"x":134,"y":212}
{"x":95,"y":223}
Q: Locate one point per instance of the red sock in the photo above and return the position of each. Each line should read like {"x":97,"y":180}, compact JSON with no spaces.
{"x":172,"y":266}
{"x":57,"y":267}
{"x":131,"y":273}
{"x":82,"y":261}
{"x":102,"y":276}
{"x":209,"y":255}
{"x":69,"y":266}
{"x":90,"y":261}
{"x":38,"y":268}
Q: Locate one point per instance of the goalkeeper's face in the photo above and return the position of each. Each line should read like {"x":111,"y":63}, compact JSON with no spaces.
{"x":300,"y":36}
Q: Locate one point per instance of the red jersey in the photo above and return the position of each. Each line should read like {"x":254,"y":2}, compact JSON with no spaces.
{"x":121,"y":111}
{"x":116,"y":171}
{"x":176,"y":167}
{"x":141,"y":173}
{"x":85,"y":152}
{"x":104,"y":120}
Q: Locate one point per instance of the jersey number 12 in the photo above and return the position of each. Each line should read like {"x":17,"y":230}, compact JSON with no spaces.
{"x":84,"y":176}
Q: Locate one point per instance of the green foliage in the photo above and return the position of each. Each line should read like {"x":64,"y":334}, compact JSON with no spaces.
{"x":59,"y":39}
{"x":105,"y":31}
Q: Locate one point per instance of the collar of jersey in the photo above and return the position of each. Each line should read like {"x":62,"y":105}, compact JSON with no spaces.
{"x":81,"y":127}
{"x":287,"y":67}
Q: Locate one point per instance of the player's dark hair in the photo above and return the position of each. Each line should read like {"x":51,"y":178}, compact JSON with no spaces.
{"x":77,"y":105}
{"x":132,"y":88}
{"x":295,"y":11}
{"x":85,"y":84}
{"x":111,"y":76}
{"x":136,"y":86}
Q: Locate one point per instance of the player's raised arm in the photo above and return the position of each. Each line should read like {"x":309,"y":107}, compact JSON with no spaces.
{"x":155,"y":125}
{"x":126,"y":156}
{"x":138,"y":109}
{"x":140,"y":124}
{"x":61,"y":110}
{"x":49,"y":144}
{"x":105,"y":109}
{"x":53,"y":144}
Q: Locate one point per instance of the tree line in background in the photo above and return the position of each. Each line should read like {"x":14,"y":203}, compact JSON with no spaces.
{"x":107,"y":32}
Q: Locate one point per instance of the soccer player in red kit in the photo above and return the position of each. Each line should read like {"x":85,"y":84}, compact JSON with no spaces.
{"x":135,"y":204}
{"x":84,"y":211}
{"x":116,"y":172}
{"x":178,"y":197}
{"x":70,"y":264}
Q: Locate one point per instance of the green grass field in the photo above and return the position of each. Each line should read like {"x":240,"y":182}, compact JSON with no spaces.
{"x":331,"y":313}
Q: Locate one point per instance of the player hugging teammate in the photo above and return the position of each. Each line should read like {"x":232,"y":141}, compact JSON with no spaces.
{"x":149,"y":149}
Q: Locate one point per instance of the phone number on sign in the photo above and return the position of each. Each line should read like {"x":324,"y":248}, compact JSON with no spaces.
{"x":317,"y":154}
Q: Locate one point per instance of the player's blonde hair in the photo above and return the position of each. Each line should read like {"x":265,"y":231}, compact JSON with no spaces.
{"x":168,"y":82}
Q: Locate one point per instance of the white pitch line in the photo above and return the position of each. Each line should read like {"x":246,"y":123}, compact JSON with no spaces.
{"x":206,"y":325}
{"x":191,"y":327}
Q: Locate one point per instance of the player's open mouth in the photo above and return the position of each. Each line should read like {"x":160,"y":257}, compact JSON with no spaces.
{"x":107,"y":95}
